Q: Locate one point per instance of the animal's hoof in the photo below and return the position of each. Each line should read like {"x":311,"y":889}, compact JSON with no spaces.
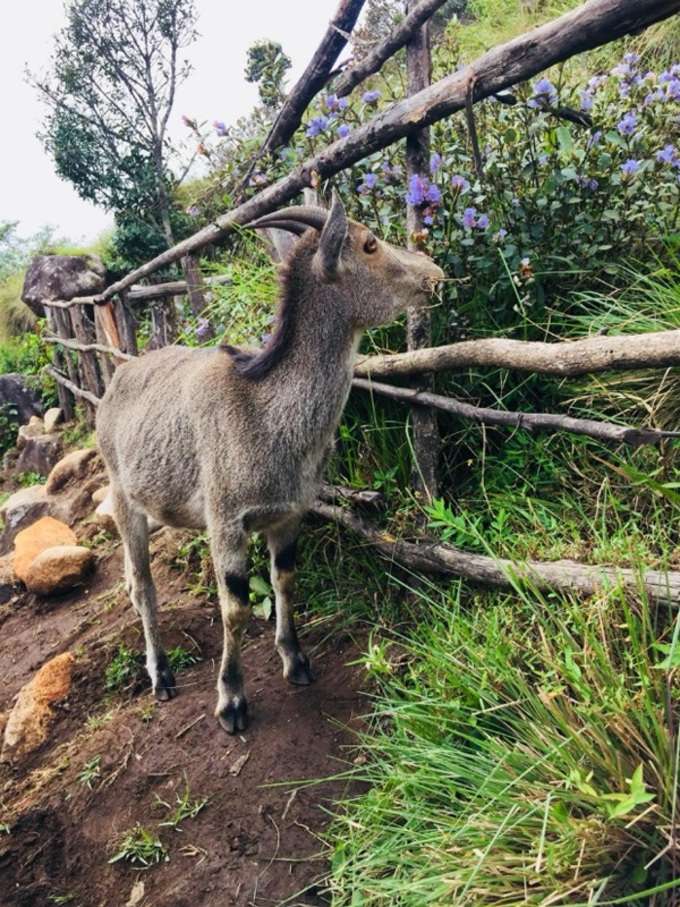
{"x":234,"y":716}
{"x":298,"y":671}
{"x":164,"y":688}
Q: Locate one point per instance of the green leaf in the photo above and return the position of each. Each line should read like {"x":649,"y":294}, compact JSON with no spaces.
{"x":565,"y":140}
{"x":259,"y":586}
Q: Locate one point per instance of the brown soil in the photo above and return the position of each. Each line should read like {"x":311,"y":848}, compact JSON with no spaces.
{"x":253,"y":843}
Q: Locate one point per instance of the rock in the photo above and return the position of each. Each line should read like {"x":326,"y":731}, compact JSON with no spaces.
{"x":103,"y":516}
{"x":39,"y":454}
{"x":30,"y":542}
{"x":59,"y":569}
{"x":17,"y":399}
{"x":29,"y":721}
{"x":32,"y":429}
{"x":101,"y":494}
{"x":21,"y":509}
{"x":61,"y":277}
{"x":7,"y":581}
{"x":72,"y":466}
{"x":52,"y":418}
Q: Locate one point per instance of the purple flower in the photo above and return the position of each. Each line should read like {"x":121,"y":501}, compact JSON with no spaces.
{"x":332,"y":102}
{"x":543,"y":157}
{"x":435,"y":162}
{"x":667,"y":155}
{"x":627,"y":125}
{"x":317,"y":126}
{"x":343,"y":130}
{"x":586,"y":100}
{"x":673,"y":89}
{"x":482,"y":222}
{"x":460,"y":183}
{"x":343,"y":103}
{"x":219,"y":127}
{"x":417,"y":187}
{"x":630,"y":166}
{"x":500,"y":234}
{"x":193,"y":211}
{"x":202,"y":329}
{"x":370,"y":180}
{"x":427,"y":219}
{"x":596,"y":82}
{"x":544,"y":93}
{"x":631,"y":58}
{"x":469,"y":216}
{"x":433,"y":195}
{"x":656,"y":95}
{"x":594,"y":139}
{"x":370,"y":97}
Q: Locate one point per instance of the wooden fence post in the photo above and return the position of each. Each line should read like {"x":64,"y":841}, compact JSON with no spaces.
{"x":195,"y":293}
{"x":107,"y":334}
{"x":127,"y":324}
{"x":84,"y":332}
{"x":65,"y":397}
{"x":419,"y":330}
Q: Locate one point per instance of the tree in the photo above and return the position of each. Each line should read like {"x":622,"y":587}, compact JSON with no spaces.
{"x":110,"y":91}
{"x":267,"y":64}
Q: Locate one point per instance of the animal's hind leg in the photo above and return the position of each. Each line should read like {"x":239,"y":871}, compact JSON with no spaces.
{"x":282,"y":548}
{"x":134,"y":532}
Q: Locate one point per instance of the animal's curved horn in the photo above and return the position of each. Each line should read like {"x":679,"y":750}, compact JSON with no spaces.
{"x":291,"y":226}
{"x":302,"y":214}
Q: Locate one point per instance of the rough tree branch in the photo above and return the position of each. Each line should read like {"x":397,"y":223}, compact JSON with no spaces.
{"x":373,"y":61}
{"x":567,"y":358}
{"x":602,"y":431}
{"x":590,"y":25}
{"x":315,"y":76}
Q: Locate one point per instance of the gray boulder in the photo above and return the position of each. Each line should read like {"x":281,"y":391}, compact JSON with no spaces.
{"x":20,"y":510}
{"x":61,"y":277}
{"x":39,"y":453}
{"x":18,"y":401}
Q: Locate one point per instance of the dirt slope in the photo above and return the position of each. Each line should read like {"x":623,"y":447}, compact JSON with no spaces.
{"x":252,"y":844}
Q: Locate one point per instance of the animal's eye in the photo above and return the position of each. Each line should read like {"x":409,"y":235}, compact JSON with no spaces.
{"x":370,"y":245}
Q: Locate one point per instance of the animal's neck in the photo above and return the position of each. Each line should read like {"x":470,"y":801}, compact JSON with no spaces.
{"x":314,"y":374}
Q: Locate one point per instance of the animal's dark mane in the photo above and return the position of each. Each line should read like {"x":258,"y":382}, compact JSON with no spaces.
{"x":255,"y":365}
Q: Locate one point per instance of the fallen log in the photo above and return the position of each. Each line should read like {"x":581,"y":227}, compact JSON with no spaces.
{"x":590,"y":25}
{"x":592,"y":428}
{"x":356,"y":73}
{"x":564,"y":576}
{"x":567,"y":358}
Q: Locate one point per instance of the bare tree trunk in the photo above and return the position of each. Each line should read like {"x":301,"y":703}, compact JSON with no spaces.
{"x":419,"y":328}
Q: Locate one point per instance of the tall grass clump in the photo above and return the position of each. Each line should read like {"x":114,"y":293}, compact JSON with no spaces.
{"x":526,"y":754}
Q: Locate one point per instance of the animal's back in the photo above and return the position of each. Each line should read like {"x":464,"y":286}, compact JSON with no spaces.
{"x":145,"y":430}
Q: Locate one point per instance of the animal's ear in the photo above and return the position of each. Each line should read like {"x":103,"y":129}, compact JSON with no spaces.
{"x":333,"y":236}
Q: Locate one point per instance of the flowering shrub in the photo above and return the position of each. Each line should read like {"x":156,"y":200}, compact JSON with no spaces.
{"x":559,"y":203}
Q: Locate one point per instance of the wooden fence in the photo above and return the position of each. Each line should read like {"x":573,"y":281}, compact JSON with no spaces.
{"x":102,"y":329}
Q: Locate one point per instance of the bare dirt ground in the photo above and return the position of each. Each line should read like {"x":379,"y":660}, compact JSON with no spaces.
{"x":256,"y":841}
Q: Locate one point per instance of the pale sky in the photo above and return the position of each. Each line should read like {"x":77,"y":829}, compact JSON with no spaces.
{"x":31,"y":192}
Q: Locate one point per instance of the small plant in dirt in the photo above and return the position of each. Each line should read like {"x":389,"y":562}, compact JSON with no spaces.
{"x":181,"y":658}
{"x":124,"y":669}
{"x":261,"y":597}
{"x":185,"y":807}
{"x":61,"y":898}
{"x":5,"y":828}
{"x":140,"y":847}
{"x":26,"y":479}
{"x":78,"y":433}
{"x":147,"y":712}
{"x":90,"y":772}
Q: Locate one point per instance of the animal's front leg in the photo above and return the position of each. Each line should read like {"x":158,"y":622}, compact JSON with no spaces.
{"x":282,"y":548}
{"x":230,"y":562}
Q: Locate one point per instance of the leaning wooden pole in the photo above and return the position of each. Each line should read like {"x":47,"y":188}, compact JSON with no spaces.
{"x":590,"y":25}
{"x":419,"y":325}
{"x":565,"y":576}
